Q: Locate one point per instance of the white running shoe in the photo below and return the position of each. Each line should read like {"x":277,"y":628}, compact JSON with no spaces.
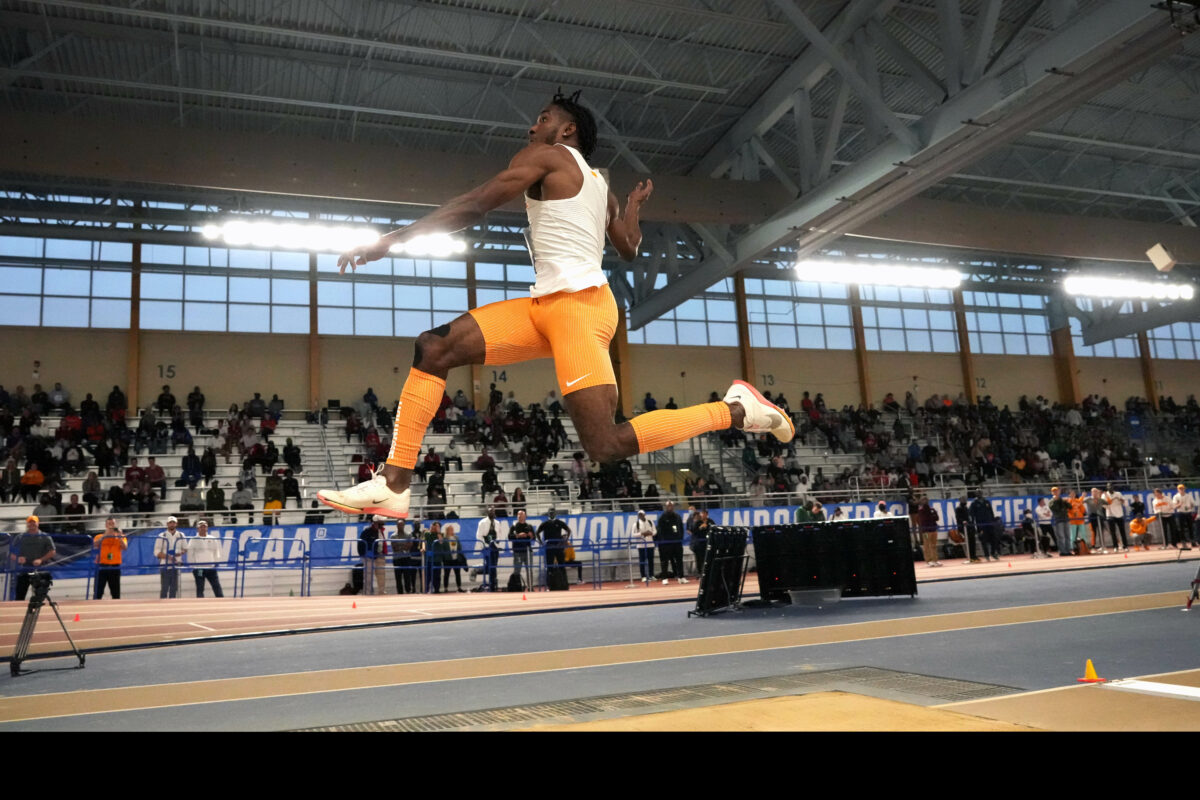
{"x":762,"y":416}
{"x":683,"y":580}
{"x":369,"y":497}
{"x":666,"y":581}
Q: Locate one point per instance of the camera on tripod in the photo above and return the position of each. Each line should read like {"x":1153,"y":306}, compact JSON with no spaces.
{"x":40,"y":582}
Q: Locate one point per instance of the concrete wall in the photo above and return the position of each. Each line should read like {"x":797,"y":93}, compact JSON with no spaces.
{"x":1006,"y":378}
{"x":938,"y":373}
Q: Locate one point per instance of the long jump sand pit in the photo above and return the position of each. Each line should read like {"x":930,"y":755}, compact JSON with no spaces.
{"x":819,"y":711}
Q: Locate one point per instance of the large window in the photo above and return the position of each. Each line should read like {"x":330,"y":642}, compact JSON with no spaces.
{"x":64,"y":283}
{"x":1180,"y":340}
{"x":393,"y":297}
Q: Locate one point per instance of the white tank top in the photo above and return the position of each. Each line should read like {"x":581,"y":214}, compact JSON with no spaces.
{"x":566,"y":237}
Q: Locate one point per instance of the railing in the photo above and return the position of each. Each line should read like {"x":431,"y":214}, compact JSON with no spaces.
{"x":333,"y":475}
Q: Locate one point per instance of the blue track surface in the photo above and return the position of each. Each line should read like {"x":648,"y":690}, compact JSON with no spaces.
{"x":1027,"y":656}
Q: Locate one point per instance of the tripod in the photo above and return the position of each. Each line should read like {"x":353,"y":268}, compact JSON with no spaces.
{"x":39,"y":582}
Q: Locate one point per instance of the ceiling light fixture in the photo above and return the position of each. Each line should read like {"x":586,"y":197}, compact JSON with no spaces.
{"x":1126,"y":289}
{"x":870,"y":273}
{"x":323,"y":238}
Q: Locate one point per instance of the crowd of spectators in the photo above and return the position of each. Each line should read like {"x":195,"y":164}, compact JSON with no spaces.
{"x":906,"y":445}
{"x":104,"y":443}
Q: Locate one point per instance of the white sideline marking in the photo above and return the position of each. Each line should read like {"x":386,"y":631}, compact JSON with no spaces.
{"x":201,"y":627}
{"x":1153,"y":687}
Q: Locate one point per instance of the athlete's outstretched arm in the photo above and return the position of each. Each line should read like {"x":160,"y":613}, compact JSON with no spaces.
{"x":624,"y":230}
{"x":527,"y":168}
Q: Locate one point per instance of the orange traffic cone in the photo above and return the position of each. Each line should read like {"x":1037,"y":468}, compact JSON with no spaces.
{"x":1089,"y":674}
{"x":523,"y":597}
{"x":354,"y":604}
{"x":77,"y":618}
{"x":1010,"y":565}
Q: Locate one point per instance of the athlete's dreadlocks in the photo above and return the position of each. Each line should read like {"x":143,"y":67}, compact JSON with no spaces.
{"x":585,"y":123}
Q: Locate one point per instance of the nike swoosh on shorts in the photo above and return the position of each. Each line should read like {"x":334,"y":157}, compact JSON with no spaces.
{"x":577,"y":380}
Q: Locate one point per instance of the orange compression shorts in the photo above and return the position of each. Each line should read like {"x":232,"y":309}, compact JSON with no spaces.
{"x":573,"y":328}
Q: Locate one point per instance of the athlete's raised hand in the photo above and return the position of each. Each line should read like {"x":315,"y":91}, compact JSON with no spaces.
{"x":641,"y":192}
{"x":362,"y":254}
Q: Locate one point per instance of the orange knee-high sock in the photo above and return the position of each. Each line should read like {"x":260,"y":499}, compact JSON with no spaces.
{"x":419,"y":401}
{"x":663,"y":428}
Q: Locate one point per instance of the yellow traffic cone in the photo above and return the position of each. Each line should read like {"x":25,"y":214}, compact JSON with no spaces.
{"x":1089,"y":674}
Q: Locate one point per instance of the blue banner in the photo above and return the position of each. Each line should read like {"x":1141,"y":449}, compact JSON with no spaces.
{"x":337,"y":544}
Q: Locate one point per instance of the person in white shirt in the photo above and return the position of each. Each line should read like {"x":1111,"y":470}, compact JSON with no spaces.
{"x":643,"y":540}
{"x":169,"y":549}
{"x":1116,"y":518}
{"x":881,"y":510}
{"x":1185,"y":514}
{"x":203,"y":556}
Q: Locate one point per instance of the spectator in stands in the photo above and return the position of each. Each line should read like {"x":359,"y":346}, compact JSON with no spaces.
{"x":10,"y":482}
{"x":489,"y":483}
{"x":649,"y":403}
{"x":354,"y":427}
{"x":195,"y":404}
{"x":248,"y":477}
{"x":214,"y":499}
{"x":500,"y":502}
{"x":74,"y":512}
{"x":370,"y":400}
{"x":165,"y":403}
{"x":191,"y":499}
{"x":372,"y":548}
{"x":169,"y":549}
{"x":242,"y":500}
{"x":134,"y":474}
{"x":485,"y":461}
{"x":669,"y":538}
{"x":122,"y":497}
{"x":203,"y":556}
{"x":45,"y":510}
{"x":275,"y":407}
{"x":39,"y":400}
{"x":147,"y":501}
{"x":431,"y":463}
{"x":116,"y":405}
{"x":155,"y":476}
{"x":110,"y":547}
{"x":256,"y":407}
{"x":518,"y":500}
{"x":208,"y":463}
{"x":552,"y":404}
{"x":453,"y":456}
{"x":30,"y":550}
{"x":291,"y":457}
{"x":31,"y":483}
{"x":92,"y":492}
{"x":291,"y":488}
